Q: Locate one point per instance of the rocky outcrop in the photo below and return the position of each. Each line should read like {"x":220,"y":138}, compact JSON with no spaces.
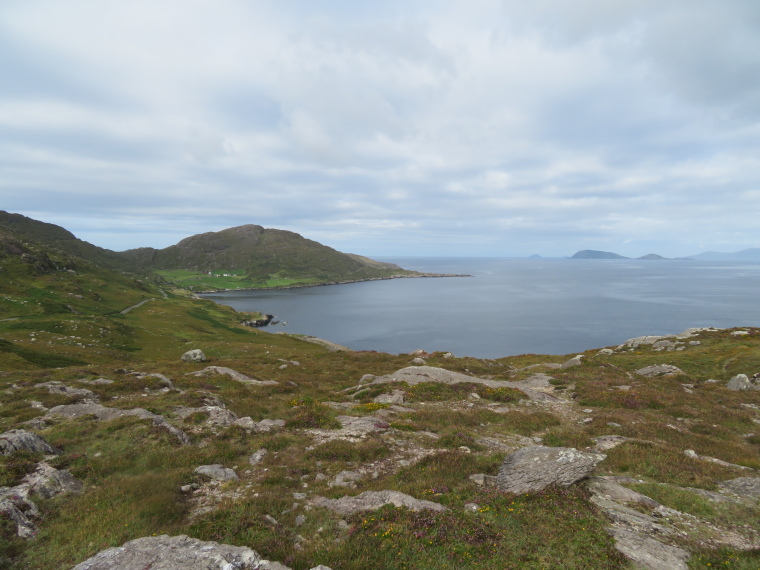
{"x":195,"y":355}
{"x":352,"y":428}
{"x":217,"y":472}
{"x":58,"y":388}
{"x":104,"y":414}
{"x":742,"y":382}
{"x":656,"y":370}
{"x":215,"y":415}
{"x":536,"y":467}
{"x":237,"y":376}
{"x":634,"y":531}
{"x":373,"y":500}
{"x":46,"y":482}
{"x":19,"y":510}
{"x":418,"y":374}
{"x":177,"y":553}
{"x":262,"y":321}
{"x":744,"y":487}
{"x":22,"y":440}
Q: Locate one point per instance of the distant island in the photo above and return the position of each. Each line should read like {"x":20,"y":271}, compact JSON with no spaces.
{"x":752,"y":254}
{"x":594,"y":254}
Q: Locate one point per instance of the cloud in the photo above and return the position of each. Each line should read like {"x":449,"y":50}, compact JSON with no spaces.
{"x":496,"y":128}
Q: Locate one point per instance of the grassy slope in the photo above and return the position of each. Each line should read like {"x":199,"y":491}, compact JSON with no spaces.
{"x":132,"y":471}
{"x":260,"y":258}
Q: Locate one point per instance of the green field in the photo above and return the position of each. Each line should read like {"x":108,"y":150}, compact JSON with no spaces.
{"x":198,"y":281}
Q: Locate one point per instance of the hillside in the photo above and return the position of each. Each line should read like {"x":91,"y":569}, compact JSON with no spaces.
{"x":258,"y":256}
{"x":57,"y":237}
{"x":354,"y":460}
{"x":242,"y":257}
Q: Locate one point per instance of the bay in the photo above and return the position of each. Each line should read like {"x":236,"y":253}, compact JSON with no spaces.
{"x":515,"y":306}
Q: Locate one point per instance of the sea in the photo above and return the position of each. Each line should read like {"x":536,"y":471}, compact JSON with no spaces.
{"x":510,"y":306}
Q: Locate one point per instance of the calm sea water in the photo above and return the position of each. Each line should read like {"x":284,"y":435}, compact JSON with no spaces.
{"x":516,"y":306}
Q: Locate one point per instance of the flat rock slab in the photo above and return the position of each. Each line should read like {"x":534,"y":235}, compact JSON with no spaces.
{"x":177,"y":553}
{"x":22,"y":440}
{"x":418,"y":374}
{"x":616,"y":492}
{"x":748,"y":487}
{"x":215,"y":415}
{"x":536,"y":467}
{"x":103,"y":413}
{"x":235,"y":375}
{"x":656,"y":370}
{"x":217,"y":472}
{"x":353,"y":427}
{"x":373,"y":500}
{"x":648,"y":552}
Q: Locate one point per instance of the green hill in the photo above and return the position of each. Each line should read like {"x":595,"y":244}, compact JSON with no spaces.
{"x":247,"y":256}
{"x":64,"y":240}
{"x":253,"y":256}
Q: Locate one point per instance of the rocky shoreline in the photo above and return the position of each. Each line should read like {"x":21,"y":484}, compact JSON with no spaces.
{"x":327,"y":283}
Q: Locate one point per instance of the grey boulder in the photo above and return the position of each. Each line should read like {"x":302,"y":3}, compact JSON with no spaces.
{"x":741,"y":382}
{"x":177,"y":553}
{"x":656,"y":370}
{"x":22,"y":440}
{"x":373,"y":500}
{"x":534,"y":468}
{"x":217,"y":472}
{"x":195,"y":355}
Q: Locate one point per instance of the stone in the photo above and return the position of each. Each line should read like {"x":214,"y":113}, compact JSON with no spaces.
{"x":268,"y":425}
{"x":20,"y":439}
{"x":103,"y":413}
{"x":536,"y":467}
{"x":659,"y":370}
{"x":217,"y":472}
{"x":418,"y":362}
{"x":648,"y":552}
{"x":61,"y":389}
{"x":373,"y":500}
{"x":216,"y":416}
{"x":195,"y":355}
{"x":234,"y":374}
{"x":396,"y":397}
{"x":345,"y":479}
{"x":607,"y":442}
{"x":257,"y":456}
{"x":177,"y":553}
{"x":616,"y":492}
{"x":574,"y":361}
{"x":19,"y":510}
{"x":740,"y":382}
{"x":747,"y":487}
{"x":48,"y":482}
{"x":246,"y":423}
{"x":690,"y":453}
{"x":300,"y":520}
{"x":606,"y":352}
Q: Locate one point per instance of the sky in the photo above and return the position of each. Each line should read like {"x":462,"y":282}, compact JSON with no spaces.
{"x":394,"y":128}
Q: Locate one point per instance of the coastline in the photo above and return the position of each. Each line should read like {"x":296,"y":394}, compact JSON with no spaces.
{"x":328,"y":283}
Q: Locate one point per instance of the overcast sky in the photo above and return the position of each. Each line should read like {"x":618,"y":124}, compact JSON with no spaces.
{"x":410,"y":127}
